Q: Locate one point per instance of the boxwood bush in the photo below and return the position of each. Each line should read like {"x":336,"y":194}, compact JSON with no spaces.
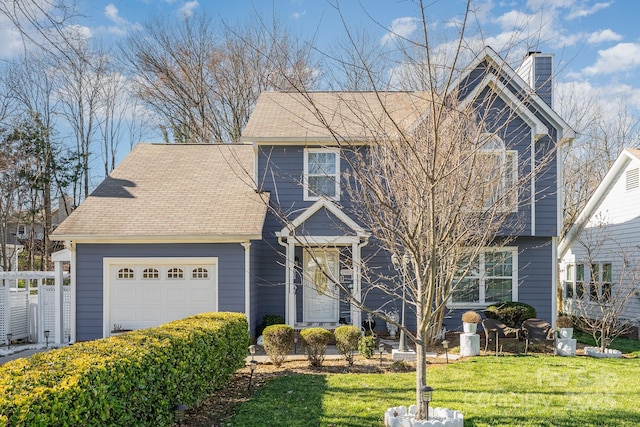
{"x":511,"y":313}
{"x":347,"y":338}
{"x":132,"y":379}
{"x":315,"y":343}
{"x":278,"y":342}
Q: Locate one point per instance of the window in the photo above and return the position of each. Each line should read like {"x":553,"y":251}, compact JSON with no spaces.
{"x":22,"y":230}
{"x":150,"y":273}
{"x":496,"y":175}
{"x":580,"y":291}
{"x":175,"y":273}
{"x":601,"y":283}
{"x":321,"y":173}
{"x":486,"y":279}
{"x":126,"y":273}
{"x":200,"y":273}
{"x":569,"y":283}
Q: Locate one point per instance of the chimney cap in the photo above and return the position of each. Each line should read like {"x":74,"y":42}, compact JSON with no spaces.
{"x":533,"y":52}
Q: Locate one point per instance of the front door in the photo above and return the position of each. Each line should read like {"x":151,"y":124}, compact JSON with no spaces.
{"x":320,"y":293}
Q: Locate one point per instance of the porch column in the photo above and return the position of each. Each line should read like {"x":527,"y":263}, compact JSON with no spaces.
{"x":356,"y":319}
{"x":290,"y":299}
{"x":58,"y":302}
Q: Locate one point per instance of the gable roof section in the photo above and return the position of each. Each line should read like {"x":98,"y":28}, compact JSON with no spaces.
{"x":609,"y":180}
{"x":173,"y":192}
{"x":289,"y":230}
{"x":488,"y":55}
{"x":293,"y":116}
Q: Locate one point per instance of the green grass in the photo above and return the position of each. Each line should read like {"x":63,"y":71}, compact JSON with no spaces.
{"x":490,"y":391}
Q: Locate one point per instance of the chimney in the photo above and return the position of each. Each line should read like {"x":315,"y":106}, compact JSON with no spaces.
{"x":537,"y":70}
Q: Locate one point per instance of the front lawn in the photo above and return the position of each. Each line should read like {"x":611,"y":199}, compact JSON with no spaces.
{"x":490,"y":391}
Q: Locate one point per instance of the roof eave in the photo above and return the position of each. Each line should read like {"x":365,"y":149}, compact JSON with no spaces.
{"x":174,"y":238}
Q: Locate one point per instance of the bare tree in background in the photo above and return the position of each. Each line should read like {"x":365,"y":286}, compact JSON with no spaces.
{"x":604,"y":132}
{"x":202,"y":79}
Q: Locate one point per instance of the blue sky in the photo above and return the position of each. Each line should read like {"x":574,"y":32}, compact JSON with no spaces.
{"x":595,"y":42}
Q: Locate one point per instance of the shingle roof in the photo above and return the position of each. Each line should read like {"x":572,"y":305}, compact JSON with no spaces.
{"x":173,"y":191}
{"x":292,"y":116}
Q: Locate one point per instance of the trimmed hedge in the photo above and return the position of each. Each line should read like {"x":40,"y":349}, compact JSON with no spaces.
{"x":315,"y":342}
{"x":278,"y":341}
{"x":131,"y":379}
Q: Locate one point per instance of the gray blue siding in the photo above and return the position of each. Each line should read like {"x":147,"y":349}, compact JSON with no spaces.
{"x":89,"y":276}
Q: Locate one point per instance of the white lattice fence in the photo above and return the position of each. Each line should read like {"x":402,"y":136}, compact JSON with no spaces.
{"x":4,"y":310}
{"x":47,"y":300}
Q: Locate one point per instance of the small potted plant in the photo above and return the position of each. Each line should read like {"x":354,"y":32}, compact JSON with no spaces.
{"x":564,"y":324}
{"x":470,"y":320}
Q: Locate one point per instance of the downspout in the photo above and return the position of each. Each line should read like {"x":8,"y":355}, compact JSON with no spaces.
{"x":247,"y":281}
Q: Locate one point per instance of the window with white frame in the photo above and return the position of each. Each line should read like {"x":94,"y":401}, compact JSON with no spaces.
{"x":175,"y":273}
{"x":321,"y":173}
{"x":126,"y":273}
{"x":570,"y":281}
{"x":488,"y":278}
{"x":200,"y":273}
{"x":600,"y":282}
{"x":150,"y":273}
{"x":497,"y":175}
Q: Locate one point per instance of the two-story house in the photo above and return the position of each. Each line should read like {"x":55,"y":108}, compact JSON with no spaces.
{"x":257,"y":227}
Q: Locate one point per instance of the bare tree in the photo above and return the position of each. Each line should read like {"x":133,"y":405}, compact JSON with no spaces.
{"x":431,"y":174}
{"x":604,"y":133}
{"x":202,"y":82}
{"x":602,"y":282}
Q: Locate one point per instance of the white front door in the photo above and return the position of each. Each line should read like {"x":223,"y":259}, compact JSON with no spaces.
{"x":320,"y":293}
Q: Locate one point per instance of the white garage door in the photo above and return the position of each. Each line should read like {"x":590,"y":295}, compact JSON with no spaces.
{"x":149,"y":293}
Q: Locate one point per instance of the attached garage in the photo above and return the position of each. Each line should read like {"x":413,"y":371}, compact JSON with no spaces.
{"x":147,"y":292}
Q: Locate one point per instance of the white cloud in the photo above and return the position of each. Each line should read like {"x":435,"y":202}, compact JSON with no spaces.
{"x":11,"y":41}
{"x":401,"y":27}
{"x":580,"y":11}
{"x":603,"y":36}
{"x":298,"y":15}
{"x":111,"y":12}
{"x":187,"y":9}
{"x":621,"y":57}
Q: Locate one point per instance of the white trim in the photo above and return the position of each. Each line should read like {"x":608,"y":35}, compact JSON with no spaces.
{"x":247,"y":281}
{"x":107,"y":262}
{"x":554,"y":279}
{"x":565,"y":133}
{"x":311,"y":210}
{"x":533,"y":185}
{"x":538,"y":128}
{"x":108,"y":238}
{"x":74,"y":299}
{"x":305,"y":173}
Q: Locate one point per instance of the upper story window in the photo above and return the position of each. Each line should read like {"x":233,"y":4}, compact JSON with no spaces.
{"x":22,"y":230}
{"x":321,"y":173}
{"x":488,"y":278}
{"x":497,"y":175}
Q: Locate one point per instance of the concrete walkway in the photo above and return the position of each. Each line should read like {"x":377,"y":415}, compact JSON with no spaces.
{"x":19,"y":351}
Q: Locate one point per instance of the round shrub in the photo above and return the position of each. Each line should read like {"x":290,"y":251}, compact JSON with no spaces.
{"x":315,"y":341}
{"x":367,"y":346}
{"x":564,"y":322}
{"x":511,"y":313}
{"x":278,"y":341}
{"x":347,"y":338}
{"x":268,"y":320}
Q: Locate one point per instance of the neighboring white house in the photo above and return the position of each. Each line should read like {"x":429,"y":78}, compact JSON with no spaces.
{"x":600,"y":255}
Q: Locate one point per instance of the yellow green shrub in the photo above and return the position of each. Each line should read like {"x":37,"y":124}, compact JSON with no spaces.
{"x":132,"y":379}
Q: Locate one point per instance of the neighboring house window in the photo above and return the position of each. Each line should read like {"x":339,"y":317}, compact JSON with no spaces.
{"x":569,"y":283}
{"x":150,"y":273}
{"x":126,"y":273}
{"x":175,"y":273}
{"x":601,"y":282}
{"x":497,"y":171}
{"x":200,"y":273}
{"x":321,"y":173}
{"x":490,"y":278}
{"x":580,"y":281}
{"x":22,"y":230}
